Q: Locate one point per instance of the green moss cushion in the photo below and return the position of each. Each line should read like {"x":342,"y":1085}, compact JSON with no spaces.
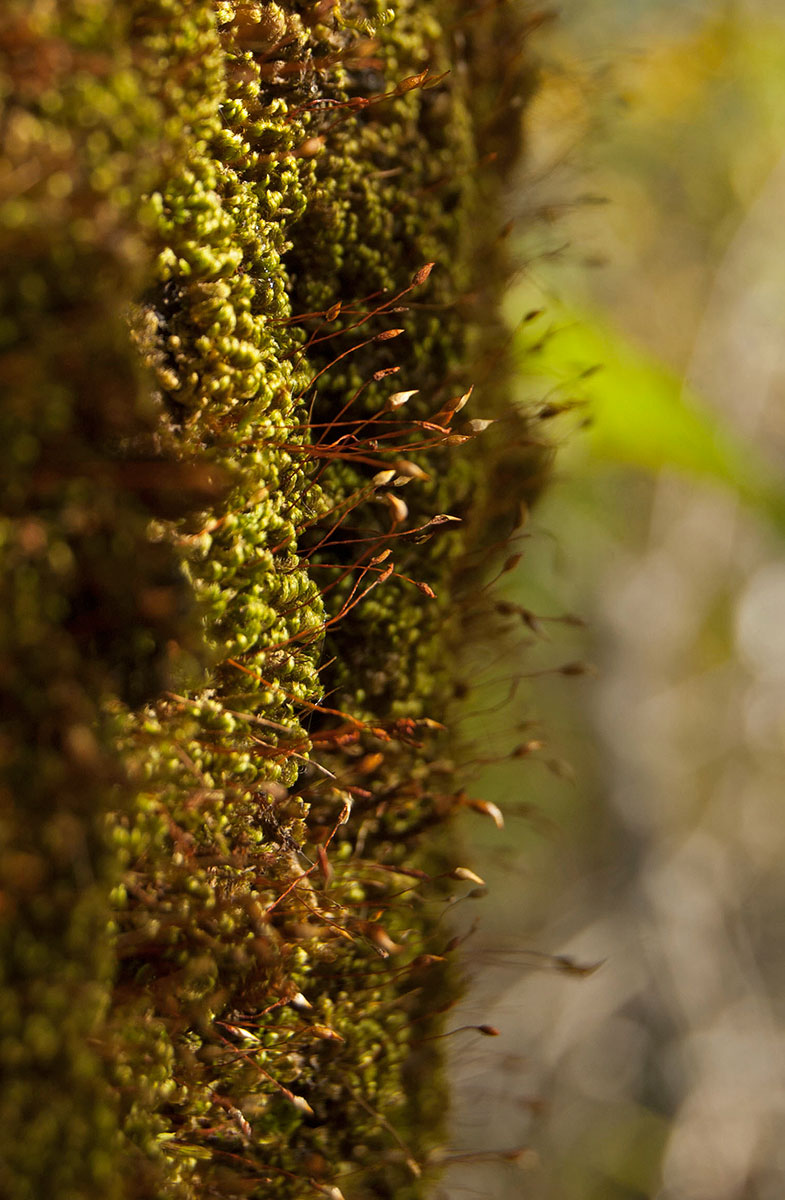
{"x":250,"y":255}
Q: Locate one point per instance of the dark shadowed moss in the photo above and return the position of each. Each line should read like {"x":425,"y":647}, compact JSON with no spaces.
{"x":225,"y":854}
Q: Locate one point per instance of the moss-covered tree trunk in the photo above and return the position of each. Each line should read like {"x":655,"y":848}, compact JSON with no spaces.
{"x":250,"y":255}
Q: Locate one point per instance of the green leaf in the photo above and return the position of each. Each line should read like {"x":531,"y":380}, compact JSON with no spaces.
{"x":641,"y":414}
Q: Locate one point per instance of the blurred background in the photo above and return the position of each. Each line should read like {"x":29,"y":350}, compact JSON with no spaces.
{"x":645,"y":816}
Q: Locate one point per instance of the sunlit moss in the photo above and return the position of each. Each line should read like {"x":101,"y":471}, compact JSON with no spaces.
{"x":252,"y":816}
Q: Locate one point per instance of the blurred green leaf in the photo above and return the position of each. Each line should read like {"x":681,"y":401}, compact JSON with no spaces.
{"x":641,"y":414}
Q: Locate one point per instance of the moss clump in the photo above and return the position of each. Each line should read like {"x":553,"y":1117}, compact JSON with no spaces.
{"x":218,"y":225}
{"x":88,"y":602}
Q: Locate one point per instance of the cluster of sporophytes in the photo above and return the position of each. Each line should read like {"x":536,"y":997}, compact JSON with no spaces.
{"x":241,"y":310}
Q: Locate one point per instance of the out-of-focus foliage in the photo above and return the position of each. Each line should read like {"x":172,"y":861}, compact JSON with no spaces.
{"x":640,"y":413}
{"x":659,"y":1075}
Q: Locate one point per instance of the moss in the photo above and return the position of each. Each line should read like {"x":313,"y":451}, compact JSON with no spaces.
{"x":220,"y":214}
{"x":88,"y":601}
